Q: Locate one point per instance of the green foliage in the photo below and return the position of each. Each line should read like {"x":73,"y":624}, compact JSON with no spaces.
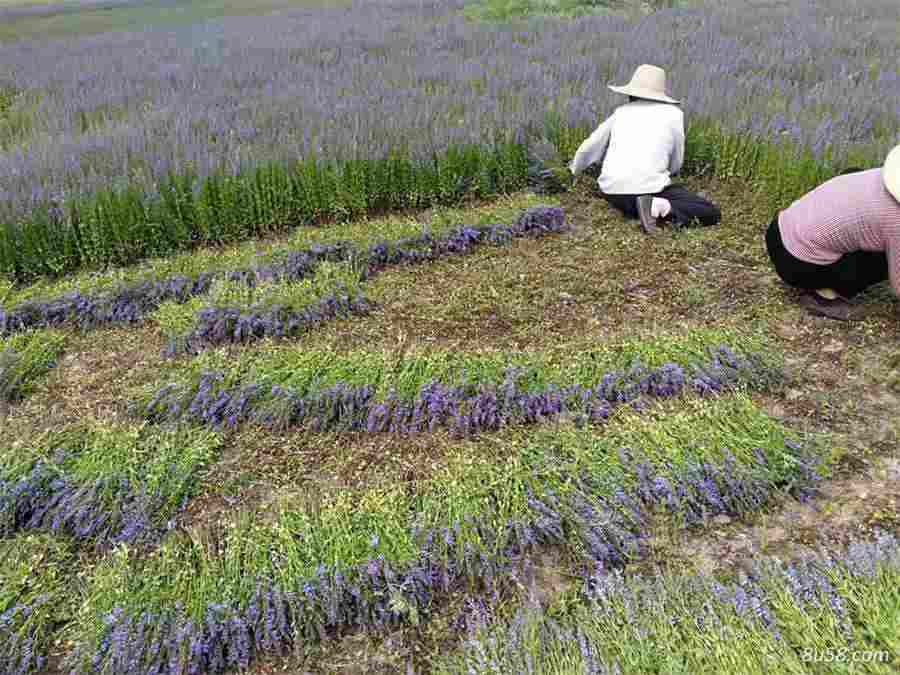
{"x":24,"y":359}
{"x":121,"y":225}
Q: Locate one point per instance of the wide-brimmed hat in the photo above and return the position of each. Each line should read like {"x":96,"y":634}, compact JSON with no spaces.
{"x":647,"y":82}
{"x":890,"y":173}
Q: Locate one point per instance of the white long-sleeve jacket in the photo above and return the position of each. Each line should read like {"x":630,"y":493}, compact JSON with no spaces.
{"x":641,"y":146}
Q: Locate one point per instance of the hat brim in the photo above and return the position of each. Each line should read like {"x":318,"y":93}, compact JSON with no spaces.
{"x":890,"y":173}
{"x":640,"y":92}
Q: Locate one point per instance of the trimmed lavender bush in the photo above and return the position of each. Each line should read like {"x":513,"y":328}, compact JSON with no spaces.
{"x":465,"y":411}
{"x":609,"y":527}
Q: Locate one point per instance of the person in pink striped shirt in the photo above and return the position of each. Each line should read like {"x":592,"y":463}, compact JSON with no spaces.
{"x":841,"y":238}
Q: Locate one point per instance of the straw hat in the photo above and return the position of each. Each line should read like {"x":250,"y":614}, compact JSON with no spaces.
{"x":647,"y":82}
{"x":891,"y":172}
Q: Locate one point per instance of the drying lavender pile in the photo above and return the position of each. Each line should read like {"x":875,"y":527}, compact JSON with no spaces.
{"x":133,"y":302}
{"x":105,"y":511}
{"x":610,"y":527}
{"x":464,"y":410}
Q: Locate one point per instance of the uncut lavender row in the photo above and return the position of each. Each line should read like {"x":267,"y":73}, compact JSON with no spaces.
{"x":465,"y":411}
{"x":619,"y":611}
{"x":131,"y":303}
{"x":243,"y":90}
{"x":105,"y":511}
{"x":613,"y":528}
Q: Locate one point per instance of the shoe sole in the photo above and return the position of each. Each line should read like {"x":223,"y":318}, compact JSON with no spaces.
{"x":814,"y":308}
{"x":648,"y":222}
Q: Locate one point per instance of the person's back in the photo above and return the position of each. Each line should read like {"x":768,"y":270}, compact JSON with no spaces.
{"x":643,"y":148}
{"x":853,"y":212}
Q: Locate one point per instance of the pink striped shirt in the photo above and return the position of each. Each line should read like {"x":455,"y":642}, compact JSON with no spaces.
{"x":845,"y":214}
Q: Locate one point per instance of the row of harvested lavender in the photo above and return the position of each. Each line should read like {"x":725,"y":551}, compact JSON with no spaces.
{"x":832,"y":609}
{"x":100,"y":489}
{"x":607,"y":526}
{"x":463,"y":409}
{"x":133,"y":302}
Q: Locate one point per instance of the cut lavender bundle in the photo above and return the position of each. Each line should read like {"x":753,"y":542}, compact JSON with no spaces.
{"x":465,"y":411}
{"x":93,"y":490}
{"x":820,"y":609}
{"x":233,"y":325}
{"x":132,"y":302}
{"x":104,"y":511}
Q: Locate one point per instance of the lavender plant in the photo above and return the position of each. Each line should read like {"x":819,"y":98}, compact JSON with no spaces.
{"x":257,"y":130}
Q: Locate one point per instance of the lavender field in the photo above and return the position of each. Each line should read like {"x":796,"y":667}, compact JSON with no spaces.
{"x":303,"y":371}
{"x":125,"y":111}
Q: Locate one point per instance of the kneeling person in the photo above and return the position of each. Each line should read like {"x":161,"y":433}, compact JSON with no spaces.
{"x":641,"y":146}
{"x":841,"y":238}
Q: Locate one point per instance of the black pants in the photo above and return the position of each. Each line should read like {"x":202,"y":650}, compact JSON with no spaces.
{"x":686,"y":206}
{"x":850,"y":275}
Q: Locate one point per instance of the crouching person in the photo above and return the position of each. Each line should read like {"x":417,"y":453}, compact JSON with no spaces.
{"x":641,"y":146}
{"x":841,"y":238}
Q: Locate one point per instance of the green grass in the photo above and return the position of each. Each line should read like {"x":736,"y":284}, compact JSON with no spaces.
{"x":24,"y":359}
{"x":514,"y":10}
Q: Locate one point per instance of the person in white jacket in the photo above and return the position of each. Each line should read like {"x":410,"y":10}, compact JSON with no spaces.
{"x":641,"y":146}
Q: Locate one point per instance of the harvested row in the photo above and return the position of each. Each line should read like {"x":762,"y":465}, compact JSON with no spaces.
{"x":273,"y":310}
{"x":834,"y":612}
{"x":384,"y":557}
{"x":470,"y":398}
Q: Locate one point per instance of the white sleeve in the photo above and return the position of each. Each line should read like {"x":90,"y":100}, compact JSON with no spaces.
{"x":592,"y":149}
{"x":676,"y":158}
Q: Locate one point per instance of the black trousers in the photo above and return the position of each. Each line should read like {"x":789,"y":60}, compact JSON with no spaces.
{"x":851,"y":274}
{"x":687,"y":207}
